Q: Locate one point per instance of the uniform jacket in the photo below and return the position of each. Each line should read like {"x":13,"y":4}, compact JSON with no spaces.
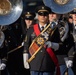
{"x":42,"y":61}
{"x":65,"y":48}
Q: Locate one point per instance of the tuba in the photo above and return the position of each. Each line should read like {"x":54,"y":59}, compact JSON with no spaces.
{"x":10,"y":11}
{"x":61,"y":7}
{"x":63,"y":29}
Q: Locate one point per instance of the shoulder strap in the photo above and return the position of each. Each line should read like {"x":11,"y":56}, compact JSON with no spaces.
{"x":36,"y":29}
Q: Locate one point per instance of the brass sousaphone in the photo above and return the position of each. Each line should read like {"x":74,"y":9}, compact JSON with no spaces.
{"x":60,"y":6}
{"x":10,"y":11}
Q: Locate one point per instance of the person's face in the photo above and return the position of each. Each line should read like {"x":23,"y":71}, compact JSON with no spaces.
{"x":70,"y":20}
{"x":74,"y":17}
{"x":52,"y":17}
{"x":28,"y":22}
{"x":43,"y":18}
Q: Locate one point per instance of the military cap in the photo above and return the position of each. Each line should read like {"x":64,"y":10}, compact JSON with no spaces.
{"x":29,"y":15}
{"x":43,"y":9}
{"x":73,"y":11}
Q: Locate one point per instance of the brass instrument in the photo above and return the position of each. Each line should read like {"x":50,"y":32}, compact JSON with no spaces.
{"x":63,"y":29}
{"x":60,"y":6}
{"x":10,"y":11}
{"x":39,"y":41}
{"x":2,"y":37}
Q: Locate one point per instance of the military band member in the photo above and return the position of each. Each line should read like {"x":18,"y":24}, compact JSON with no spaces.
{"x":54,"y":17}
{"x":29,"y":18}
{"x":72,"y":52}
{"x":43,"y":63}
{"x":64,"y":60}
{"x":65,"y":38}
{"x":14,"y":38}
{"x":27,"y":21}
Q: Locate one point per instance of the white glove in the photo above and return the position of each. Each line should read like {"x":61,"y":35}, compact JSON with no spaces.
{"x":53,"y":45}
{"x":2,"y":66}
{"x":69,"y":63}
{"x":48,"y":44}
{"x":22,"y":43}
{"x":25,"y":58}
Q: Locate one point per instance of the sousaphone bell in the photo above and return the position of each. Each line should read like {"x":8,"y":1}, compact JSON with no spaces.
{"x":10,"y":11}
{"x":60,"y":6}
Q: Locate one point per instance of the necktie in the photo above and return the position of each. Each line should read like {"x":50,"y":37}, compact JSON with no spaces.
{"x":42,"y":28}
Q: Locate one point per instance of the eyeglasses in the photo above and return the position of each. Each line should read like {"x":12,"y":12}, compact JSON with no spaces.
{"x":43,"y":13}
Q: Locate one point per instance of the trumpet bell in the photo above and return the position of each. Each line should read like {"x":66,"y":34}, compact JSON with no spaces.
{"x":10,"y":11}
{"x":60,"y":6}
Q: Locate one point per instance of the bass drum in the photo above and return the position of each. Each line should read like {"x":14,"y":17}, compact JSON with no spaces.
{"x":10,"y":11}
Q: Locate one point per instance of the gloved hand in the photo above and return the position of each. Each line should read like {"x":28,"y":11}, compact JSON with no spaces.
{"x":69,"y":63}
{"x":48,"y":44}
{"x":2,"y":66}
{"x":22,"y":43}
{"x":53,"y":45}
{"x":25,"y":58}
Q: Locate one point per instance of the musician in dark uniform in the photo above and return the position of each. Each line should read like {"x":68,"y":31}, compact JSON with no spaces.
{"x":66,"y":39}
{"x":73,"y":32}
{"x":42,"y":64}
{"x":29,"y":18}
{"x":27,"y":21}
{"x":14,"y":37}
